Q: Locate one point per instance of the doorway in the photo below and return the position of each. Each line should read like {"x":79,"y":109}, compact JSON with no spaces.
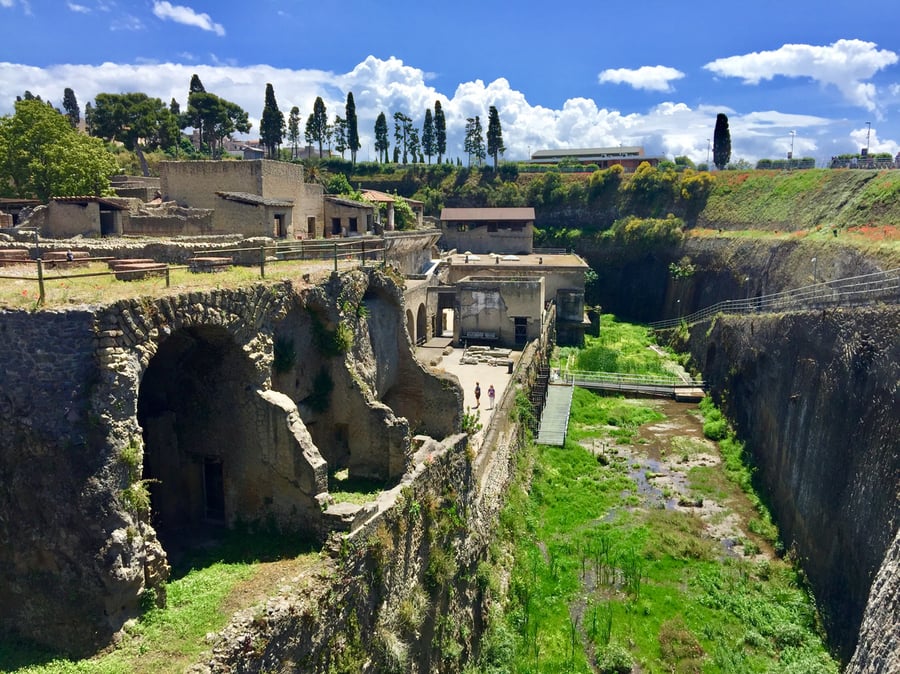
{"x":521,"y":324}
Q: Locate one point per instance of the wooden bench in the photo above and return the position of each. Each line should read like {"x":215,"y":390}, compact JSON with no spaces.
{"x":140,"y":270}
{"x":209,"y":264}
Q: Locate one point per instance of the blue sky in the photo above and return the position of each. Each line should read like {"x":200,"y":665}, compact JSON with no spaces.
{"x":653,"y":73}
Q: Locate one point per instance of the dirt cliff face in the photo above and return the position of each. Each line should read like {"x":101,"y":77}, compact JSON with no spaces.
{"x":815,"y":395}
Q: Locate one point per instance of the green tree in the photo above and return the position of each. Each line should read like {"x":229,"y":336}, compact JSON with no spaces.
{"x":495,"y":145}
{"x":353,"y":143}
{"x":474,"y":140}
{"x":339,"y":134}
{"x":429,"y":143}
{"x":70,"y":105}
{"x":89,"y":118}
{"x":317,"y":124}
{"x":214,"y":118}
{"x":294,"y":130}
{"x":381,"y":138}
{"x":402,"y":131}
{"x":440,"y":131}
{"x":41,"y":156}
{"x":271,"y":124}
{"x":139,"y":122}
{"x":721,"y":142}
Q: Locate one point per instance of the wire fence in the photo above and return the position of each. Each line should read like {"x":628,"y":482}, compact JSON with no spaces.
{"x":358,"y":252}
{"x":883,"y":286}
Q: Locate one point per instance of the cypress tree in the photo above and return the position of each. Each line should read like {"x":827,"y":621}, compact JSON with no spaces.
{"x":70,"y":105}
{"x":353,"y":143}
{"x":721,"y":142}
{"x":271,"y":124}
{"x":429,"y":144}
{"x":494,"y":135}
{"x":440,"y":130}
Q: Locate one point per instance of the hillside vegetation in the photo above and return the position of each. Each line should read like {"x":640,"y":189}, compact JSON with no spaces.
{"x":778,"y":200}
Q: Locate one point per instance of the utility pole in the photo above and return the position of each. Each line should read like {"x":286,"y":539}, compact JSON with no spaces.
{"x":791,"y":153}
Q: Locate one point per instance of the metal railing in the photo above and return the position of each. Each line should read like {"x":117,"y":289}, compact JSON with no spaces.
{"x":851,"y":291}
{"x":580,"y":377}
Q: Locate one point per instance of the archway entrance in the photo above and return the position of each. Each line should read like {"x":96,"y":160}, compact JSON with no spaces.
{"x":410,"y":326}
{"x":421,"y":326}
{"x":195,"y":411}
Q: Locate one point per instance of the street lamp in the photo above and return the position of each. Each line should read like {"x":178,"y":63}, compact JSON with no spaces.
{"x":791,"y":153}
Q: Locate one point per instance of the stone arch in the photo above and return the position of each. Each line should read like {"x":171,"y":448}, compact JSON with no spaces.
{"x":421,"y":323}
{"x":195,"y":406}
{"x":411,"y":326}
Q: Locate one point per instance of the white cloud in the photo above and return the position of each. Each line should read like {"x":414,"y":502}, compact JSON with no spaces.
{"x":651,"y":78}
{"x":26,"y":6}
{"x":187,"y":16}
{"x":389,"y":85}
{"x":845,"y":64}
{"x":79,"y":9}
{"x":126,"y":22}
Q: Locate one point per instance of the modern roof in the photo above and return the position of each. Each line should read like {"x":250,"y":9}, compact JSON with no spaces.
{"x":621,"y":151}
{"x":487,"y":214}
{"x":335,"y":199}
{"x":255,"y":199}
{"x":384,"y":197}
{"x":90,"y":199}
{"x":488,"y":263}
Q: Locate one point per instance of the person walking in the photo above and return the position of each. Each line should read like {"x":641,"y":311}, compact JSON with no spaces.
{"x":477,"y":394}
{"x":491,"y":394}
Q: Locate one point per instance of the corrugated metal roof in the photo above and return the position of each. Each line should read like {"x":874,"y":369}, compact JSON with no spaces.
{"x":487,"y":214}
{"x":255,"y":199}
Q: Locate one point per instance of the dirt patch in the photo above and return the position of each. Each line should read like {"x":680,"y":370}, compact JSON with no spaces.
{"x":660,"y":461}
{"x":267,"y":579}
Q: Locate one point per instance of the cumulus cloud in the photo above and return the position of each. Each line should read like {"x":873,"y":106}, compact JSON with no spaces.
{"x":78,"y":9}
{"x":845,"y":64}
{"x":187,"y":16}
{"x":651,"y":78}
{"x":389,"y":85}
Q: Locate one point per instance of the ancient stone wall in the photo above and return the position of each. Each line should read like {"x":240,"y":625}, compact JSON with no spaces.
{"x":815,"y":394}
{"x":155,"y":402}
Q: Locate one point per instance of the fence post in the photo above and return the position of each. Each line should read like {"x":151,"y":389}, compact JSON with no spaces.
{"x":262,"y":261}
{"x":40,"y":270}
{"x":167,"y":275}
{"x":335,"y":256}
{"x":362,"y":260}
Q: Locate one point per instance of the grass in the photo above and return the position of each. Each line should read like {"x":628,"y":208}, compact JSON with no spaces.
{"x":620,"y":347}
{"x":81,"y":286}
{"x":599,"y":576}
{"x":206,"y":587}
{"x":357,"y":490}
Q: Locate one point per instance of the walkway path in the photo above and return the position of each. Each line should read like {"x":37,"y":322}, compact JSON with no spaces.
{"x":555,"y":418}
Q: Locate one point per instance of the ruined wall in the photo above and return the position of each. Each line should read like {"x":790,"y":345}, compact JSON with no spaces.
{"x":401,"y":593}
{"x":815,"y":395}
{"x":507,"y":239}
{"x":94,"y":401}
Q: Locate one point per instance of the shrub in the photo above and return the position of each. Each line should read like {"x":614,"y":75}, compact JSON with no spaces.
{"x":614,"y":659}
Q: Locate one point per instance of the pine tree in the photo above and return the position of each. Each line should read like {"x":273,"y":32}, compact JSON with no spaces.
{"x":494,"y":135}
{"x":474,"y":140}
{"x":339,"y":134}
{"x":440,"y":131}
{"x":381,"y":138}
{"x":721,"y":142}
{"x":317,"y":124}
{"x":271,"y":124}
{"x":353,"y":143}
{"x":429,"y":144}
{"x":70,"y":105}
{"x":294,"y":130}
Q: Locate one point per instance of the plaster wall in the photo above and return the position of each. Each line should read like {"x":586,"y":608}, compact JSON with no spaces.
{"x":477,"y":239}
{"x":67,"y":220}
{"x":491,"y":306}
